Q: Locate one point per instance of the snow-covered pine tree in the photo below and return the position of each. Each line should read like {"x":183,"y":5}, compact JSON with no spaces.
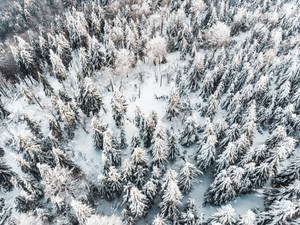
{"x":221,"y":190}
{"x":82,"y":211}
{"x":281,"y":152}
{"x":157,"y":50}
{"x":64,"y":161}
{"x":23,"y":56}
{"x":148,"y":133}
{"x":160,"y":153}
{"x":3,"y":112}
{"x":55,"y":129}
{"x":261,"y":175}
{"x":231,"y":135}
{"x":140,"y":175}
{"x":99,"y":131}
{"x":114,"y":182}
{"x":207,"y":154}
{"x":103,"y":187}
{"x":123,"y":140}
{"x":289,"y":192}
{"x":196,"y":73}
{"x":89,"y":99}
{"x":85,"y":67}
{"x":248,"y":219}
{"x":287,"y":174}
{"x":60,"y":184}
{"x":63,"y":95}
{"x":150,"y":189}
{"x":112,"y":154}
{"x":225,"y":215}
{"x":135,"y":141}
{"x":227,"y":157}
{"x":6,"y":174}
{"x":33,"y":126}
{"x":277,"y":136}
{"x":58,"y":67}
{"x":64,"y":50}
{"x":172,"y":145}
{"x":171,"y":197}
{"x":139,"y":118}
{"x":69,"y":119}
{"x":186,"y":176}
{"x":158,"y":220}
{"x":137,"y":203}
{"x":280,"y":212}
{"x":96,"y":55}
{"x":189,"y":135}
{"x":190,"y":215}
{"x":174,"y":107}
{"x":119,"y":108}
{"x":128,"y":171}
{"x":212,"y":106}
{"x":139,"y":157}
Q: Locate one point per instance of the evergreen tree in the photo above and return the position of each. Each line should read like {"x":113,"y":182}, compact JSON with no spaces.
{"x":65,"y":162}
{"x":172,"y":145}
{"x":137,"y":203}
{"x":24,"y":57}
{"x":171,"y":198}
{"x":174,"y":107}
{"x":82,"y":211}
{"x":231,"y":135}
{"x":221,"y":190}
{"x":112,"y":154}
{"x":69,"y":118}
{"x":149,"y":129}
{"x":58,"y":67}
{"x":196,"y":73}
{"x":187,"y":174}
{"x":290,"y":192}
{"x":190,"y":215}
{"x":261,"y":175}
{"x":85,"y":67}
{"x":225,"y":216}
{"x":103,"y":187}
{"x":96,"y":55}
{"x":135,"y":141}
{"x":89,"y":99}
{"x":227,"y":157}
{"x":55,"y":129}
{"x":114,"y":183}
{"x":151,"y":189}
{"x":140,"y":175}
{"x":128,"y":170}
{"x":280,"y":212}
{"x":6,"y":174}
{"x":287,"y":174}
{"x":158,"y":220}
{"x":248,"y":219}
{"x":139,"y":157}
{"x":139,"y":118}
{"x":160,"y":153}
{"x":64,"y":49}
{"x":3,"y":112}
{"x":207,"y":154}
{"x":119,"y":108}
{"x":99,"y":131}
{"x":123,"y":141}
{"x":189,"y":135}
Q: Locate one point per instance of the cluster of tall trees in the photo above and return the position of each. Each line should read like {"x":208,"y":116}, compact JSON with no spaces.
{"x":240,"y":63}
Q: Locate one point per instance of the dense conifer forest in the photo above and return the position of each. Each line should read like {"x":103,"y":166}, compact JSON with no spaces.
{"x":183,"y":112}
